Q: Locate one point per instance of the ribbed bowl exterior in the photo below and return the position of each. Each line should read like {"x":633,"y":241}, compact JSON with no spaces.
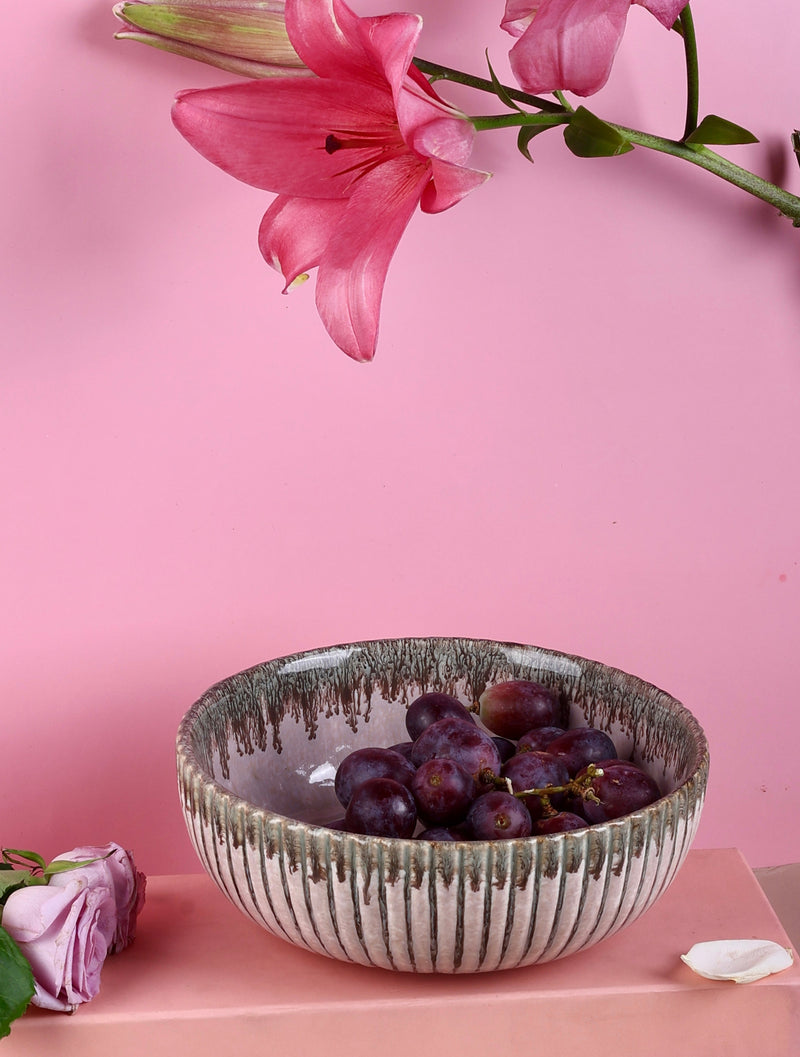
{"x":421,"y":906}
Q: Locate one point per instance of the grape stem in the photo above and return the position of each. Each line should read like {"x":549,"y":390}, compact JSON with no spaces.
{"x":580,"y":787}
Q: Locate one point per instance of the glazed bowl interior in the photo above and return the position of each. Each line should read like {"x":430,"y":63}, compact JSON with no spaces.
{"x":274,"y":735}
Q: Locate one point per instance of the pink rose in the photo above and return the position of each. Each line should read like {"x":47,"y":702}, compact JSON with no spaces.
{"x":67,"y":927}
{"x":64,"y":931}
{"x":118,"y":871}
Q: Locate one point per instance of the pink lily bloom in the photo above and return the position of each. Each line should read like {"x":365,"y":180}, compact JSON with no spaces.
{"x":350,"y":154}
{"x":569,"y":45}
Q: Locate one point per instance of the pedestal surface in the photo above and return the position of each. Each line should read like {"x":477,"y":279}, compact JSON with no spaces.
{"x":201,"y":979}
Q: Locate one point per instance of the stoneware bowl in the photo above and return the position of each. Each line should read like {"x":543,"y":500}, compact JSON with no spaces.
{"x":256,"y":759}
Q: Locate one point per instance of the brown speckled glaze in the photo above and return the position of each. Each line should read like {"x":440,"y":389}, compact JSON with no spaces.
{"x":256,"y":757}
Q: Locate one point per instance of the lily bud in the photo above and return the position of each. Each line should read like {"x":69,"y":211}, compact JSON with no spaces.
{"x":244,"y":37}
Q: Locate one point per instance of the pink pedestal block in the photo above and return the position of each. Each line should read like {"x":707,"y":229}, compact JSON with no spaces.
{"x":201,"y":979}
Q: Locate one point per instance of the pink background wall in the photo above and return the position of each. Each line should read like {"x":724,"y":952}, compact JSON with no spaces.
{"x":581,"y":428}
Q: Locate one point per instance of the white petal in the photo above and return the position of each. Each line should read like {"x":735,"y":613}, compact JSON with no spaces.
{"x":742,"y":961}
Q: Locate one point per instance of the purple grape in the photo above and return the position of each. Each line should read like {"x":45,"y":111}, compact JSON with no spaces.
{"x":561,"y":822}
{"x":404,"y":748}
{"x":580,"y":746}
{"x":621,"y":788}
{"x":505,"y":747}
{"x":445,"y":833}
{"x":381,"y":807}
{"x":451,"y":739}
{"x":498,"y":815}
{"x":513,"y":708}
{"x":372,"y":762}
{"x":534,"y":770}
{"x":538,"y":739}
{"x":443,"y":792}
{"x":431,"y":707}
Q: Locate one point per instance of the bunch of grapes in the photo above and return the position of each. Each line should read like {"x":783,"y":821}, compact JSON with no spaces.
{"x":516,"y":772}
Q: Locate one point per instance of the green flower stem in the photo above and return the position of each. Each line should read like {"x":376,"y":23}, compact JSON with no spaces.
{"x":483,"y":84}
{"x":692,"y":75}
{"x":483,"y":124}
{"x":786,"y":203}
{"x":697,"y":154}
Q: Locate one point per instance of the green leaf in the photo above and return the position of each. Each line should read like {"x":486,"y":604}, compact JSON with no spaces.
{"x":22,"y":857}
{"x":526,"y":134}
{"x":12,"y":880}
{"x":539,"y":123}
{"x":499,"y":89}
{"x":587,"y":136}
{"x":63,"y":865}
{"x":713,"y":129}
{"x":16,"y":983}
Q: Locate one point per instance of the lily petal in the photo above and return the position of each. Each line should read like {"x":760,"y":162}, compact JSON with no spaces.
{"x":337,"y":43}
{"x":353,"y":270}
{"x":449,"y":184}
{"x":570,"y":45}
{"x":518,"y":15}
{"x":444,"y":138}
{"x":272,"y":133}
{"x":326,"y":33}
{"x":296,"y":231}
{"x":417,"y":107}
{"x":666,"y":11}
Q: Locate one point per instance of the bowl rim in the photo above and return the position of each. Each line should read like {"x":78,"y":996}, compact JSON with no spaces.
{"x":191,"y":772}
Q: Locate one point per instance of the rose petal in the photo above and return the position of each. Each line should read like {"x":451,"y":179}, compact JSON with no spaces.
{"x":116,"y":871}
{"x":65,"y":932}
{"x":742,"y":961}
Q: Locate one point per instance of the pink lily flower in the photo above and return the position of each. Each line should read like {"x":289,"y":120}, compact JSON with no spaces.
{"x":569,"y":45}
{"x":350,"y":154}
